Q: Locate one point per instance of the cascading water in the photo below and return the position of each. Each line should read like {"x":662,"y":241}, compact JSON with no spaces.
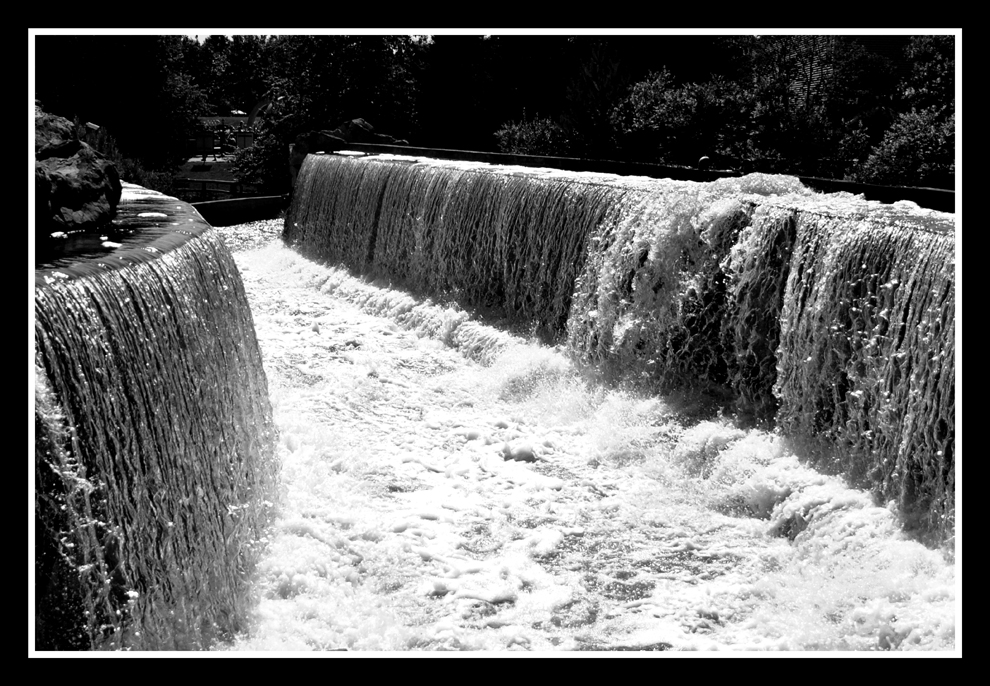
{"x":154,"y":455}
{"x":827,"y":315}
{"x":501,"y":240}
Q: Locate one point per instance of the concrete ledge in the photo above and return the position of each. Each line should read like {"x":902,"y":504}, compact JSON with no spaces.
{"x":932,"y":198}
{"x":147,"y":224}
{"x":240,"y":210}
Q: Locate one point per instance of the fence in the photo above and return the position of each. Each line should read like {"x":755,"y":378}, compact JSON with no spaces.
{"x":194,"y":190}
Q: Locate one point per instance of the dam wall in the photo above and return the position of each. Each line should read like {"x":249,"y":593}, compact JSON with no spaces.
{"x":828,"y":316}
{"x":155,"y":468}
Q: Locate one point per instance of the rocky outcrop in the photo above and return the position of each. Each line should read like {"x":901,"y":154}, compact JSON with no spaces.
{"x":50,"y":130}
{"x":360,"y":131}
{"x":76,"y":187}
{"x":354,"y":131}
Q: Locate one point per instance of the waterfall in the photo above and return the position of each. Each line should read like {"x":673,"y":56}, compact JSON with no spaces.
{"x":514,"y":241}
{"x":828,"y":316}
{"x":154,"y":454}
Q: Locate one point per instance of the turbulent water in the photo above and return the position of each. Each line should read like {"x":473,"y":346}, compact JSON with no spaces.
{"x":448,"y":485}
{"x":826,"y":315}
{"x":451,"y":487}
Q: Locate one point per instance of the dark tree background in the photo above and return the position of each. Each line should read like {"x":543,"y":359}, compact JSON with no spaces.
{"x":869,"y":108}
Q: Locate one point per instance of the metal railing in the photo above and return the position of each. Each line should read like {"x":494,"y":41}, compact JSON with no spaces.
{"x":931,"y":198}
{"x":213,"y":189}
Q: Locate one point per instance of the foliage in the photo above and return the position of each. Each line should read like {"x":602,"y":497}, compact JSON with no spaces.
{"x":791,"y":91}
{"x":154,"y":103}
{"x":919,"y":146}
{"x":931,"y":81}
{"x":653,"y":118}
{"x":918,"y":149}
{"x":317,"y":82}
{"x":162,"y":181}
{"x":813,"y":105}
{"x":591,"y":95}
{"x":172,"y":103}
{"x":130,"y":169}
{"x":231,"y":71}
{"x":809,"y":104}
{"x":468,"y":87}
{"x":185,"y":103}
{"x":539,"y":136}
{"x":216,"y":65}
{"x":260,"y":164}
{"x":99,"y":139}
{"x":659,"y":121}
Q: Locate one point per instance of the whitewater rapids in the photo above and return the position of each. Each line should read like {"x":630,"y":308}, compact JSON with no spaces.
{"x":434,"y":502}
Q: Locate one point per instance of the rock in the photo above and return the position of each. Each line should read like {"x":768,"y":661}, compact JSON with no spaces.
{"x":76,"y":187}
{"x":50,"y":130}
{"x":360,"y":131}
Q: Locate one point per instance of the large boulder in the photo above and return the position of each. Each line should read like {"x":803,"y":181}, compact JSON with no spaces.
{"x":360,"y":131}
{"x":50,"y":130}
{"x":76,"y":187}
{"x":354,"y":131}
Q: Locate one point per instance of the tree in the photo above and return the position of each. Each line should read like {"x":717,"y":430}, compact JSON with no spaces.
{"x":661,"y":122}
{"x":318,"y":82}
{"x":930,"y":83}
{"x":213,"y":79}
{"x":860,"y":100}
{"x":591,"y":95}
{"x":135,"y":86}
{"x":918,"y":149}
{"x":653,"y":122}
{"x":538,"y":136}
{"x":788,"y":114}
{"x":248,"y":71}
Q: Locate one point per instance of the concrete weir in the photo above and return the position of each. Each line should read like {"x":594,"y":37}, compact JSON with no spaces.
{"x":154,"y":443}
{"x":826,"y":315}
